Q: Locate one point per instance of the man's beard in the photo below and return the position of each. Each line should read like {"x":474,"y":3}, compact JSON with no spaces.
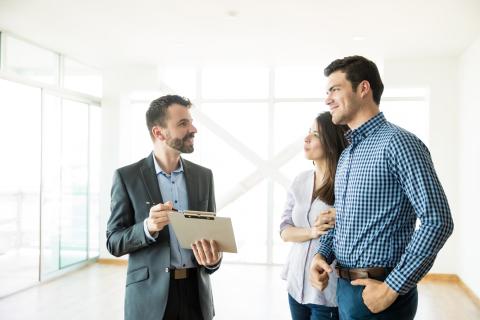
{"x":180,"y":144}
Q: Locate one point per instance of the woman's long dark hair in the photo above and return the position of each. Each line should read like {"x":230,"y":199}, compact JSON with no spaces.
{"x":332,"y":139}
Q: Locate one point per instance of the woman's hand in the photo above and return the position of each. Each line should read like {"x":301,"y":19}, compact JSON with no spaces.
{"x":324,"y":222}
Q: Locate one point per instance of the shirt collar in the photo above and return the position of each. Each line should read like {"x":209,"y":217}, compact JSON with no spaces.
{"x":159,"y":170}
{"x":357,"y":135}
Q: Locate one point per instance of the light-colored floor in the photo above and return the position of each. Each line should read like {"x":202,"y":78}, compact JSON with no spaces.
{"x":240,"y":292}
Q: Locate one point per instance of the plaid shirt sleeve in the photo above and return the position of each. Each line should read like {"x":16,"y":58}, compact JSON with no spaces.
{"x":325,"y":247}
{"x":410,"y":162}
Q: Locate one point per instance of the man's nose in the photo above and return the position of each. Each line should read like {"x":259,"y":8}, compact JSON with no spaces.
{"x":328,"y":99}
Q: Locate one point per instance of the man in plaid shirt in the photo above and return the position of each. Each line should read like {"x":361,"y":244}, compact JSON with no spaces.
{"x":385,"y":180}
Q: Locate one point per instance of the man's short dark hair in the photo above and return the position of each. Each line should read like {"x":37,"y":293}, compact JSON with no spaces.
{"x":157,"y":112}
{"x":357,"y":69}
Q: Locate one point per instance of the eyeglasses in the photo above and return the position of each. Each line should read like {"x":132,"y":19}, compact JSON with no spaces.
{"x":314,"y":132}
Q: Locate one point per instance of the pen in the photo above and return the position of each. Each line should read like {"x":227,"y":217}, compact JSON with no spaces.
{"x":154,"y":204}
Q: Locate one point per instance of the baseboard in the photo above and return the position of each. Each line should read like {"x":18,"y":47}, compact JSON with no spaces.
{"x":452,"y":278}
{"x":469,"y":292}
{"x":110,"y":261}
{"x":441,"y":277}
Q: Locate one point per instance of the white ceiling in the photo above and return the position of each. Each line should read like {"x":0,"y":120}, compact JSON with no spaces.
{"x":108,"y":33}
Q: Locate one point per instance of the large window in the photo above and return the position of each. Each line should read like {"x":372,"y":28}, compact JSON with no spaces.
{"x":251,"y":124}
{"x":70,"y":186}
{"x":29,"y":61}
{"x":50,"y":164}
{"x":19,"y":186}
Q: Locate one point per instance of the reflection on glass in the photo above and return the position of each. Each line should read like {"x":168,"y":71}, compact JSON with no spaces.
{"x":51,"y":183}
{"x":79,"y":77}
{"x":73,"y":237}
{"x":19,"y":186}
{"x":94,"y":182}
{"x":31,"y":62}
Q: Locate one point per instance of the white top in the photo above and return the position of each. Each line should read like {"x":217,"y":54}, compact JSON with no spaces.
{"x":301,"y":212}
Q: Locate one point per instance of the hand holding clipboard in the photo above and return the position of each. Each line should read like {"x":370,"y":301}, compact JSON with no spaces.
{"x":190,"y":226}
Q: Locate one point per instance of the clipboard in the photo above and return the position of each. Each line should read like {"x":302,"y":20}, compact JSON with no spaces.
{"x":190,"y":226}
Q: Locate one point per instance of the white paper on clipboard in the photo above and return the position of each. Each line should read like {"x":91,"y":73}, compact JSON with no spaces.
{"x":190,"y":226}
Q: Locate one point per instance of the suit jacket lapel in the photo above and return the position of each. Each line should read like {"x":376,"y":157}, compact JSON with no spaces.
{"x":149,"y":178}
{"x":189,"y":178}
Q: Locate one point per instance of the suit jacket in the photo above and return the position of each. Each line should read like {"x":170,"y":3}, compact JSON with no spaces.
{"x":134,"y":190}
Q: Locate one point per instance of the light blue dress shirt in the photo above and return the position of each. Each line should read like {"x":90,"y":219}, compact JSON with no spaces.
{"x":173,"y":188}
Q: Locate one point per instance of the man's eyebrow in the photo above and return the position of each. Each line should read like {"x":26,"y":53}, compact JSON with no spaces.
{"x":333,"y":86}
{"x":183,"y":120}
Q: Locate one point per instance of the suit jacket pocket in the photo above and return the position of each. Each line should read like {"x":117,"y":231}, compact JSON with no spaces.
{"x":137,"y":275}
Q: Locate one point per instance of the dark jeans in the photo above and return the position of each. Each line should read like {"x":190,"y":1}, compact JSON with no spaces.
{"x":183,"y":302}
{"x":311,"y":311}
{"x":351,"y":306}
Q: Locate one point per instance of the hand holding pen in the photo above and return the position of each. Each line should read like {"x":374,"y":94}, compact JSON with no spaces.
{"x":158,"y":217}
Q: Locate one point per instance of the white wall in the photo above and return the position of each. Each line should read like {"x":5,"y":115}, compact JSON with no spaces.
{"x":468,"y":222}
{"x":440,"y":75}
{"x":118,"y":86}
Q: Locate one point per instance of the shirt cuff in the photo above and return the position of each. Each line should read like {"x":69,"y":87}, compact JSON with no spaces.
{"x":214,"y":267}
{"x":147,"y":233}
{"x":326,"y":253}
{"x":398,"y":282}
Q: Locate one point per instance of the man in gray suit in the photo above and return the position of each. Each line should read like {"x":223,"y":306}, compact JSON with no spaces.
{"x":164,"y":281}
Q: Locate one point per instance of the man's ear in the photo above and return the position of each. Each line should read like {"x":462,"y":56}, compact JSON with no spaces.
{"x":159,"y":133}
{"x":364,"y":88}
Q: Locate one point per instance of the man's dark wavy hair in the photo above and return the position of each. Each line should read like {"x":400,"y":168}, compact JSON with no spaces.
{"x":357,"y":69}
{"x":157,"y":113}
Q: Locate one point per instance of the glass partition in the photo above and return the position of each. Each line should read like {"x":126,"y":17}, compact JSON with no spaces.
{"x":51,"y":183}
{"x":94,"y":182}
{"x":19,"y":186}
{"x":74,"y":208}
{"x":50,"y":164}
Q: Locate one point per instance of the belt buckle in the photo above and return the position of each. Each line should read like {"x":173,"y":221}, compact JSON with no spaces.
{"x":362,"y":274}
{"x":180,"y":274}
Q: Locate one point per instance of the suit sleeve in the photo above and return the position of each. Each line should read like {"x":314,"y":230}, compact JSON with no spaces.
{"x":212,"y":208}
{"x":124,"y":235}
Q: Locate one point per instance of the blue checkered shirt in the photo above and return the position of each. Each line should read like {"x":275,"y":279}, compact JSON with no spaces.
{"x":386,"y":180}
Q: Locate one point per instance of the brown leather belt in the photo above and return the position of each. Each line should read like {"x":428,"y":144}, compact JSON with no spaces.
{"x":377,"y":273}
{"x":178,"y":274}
